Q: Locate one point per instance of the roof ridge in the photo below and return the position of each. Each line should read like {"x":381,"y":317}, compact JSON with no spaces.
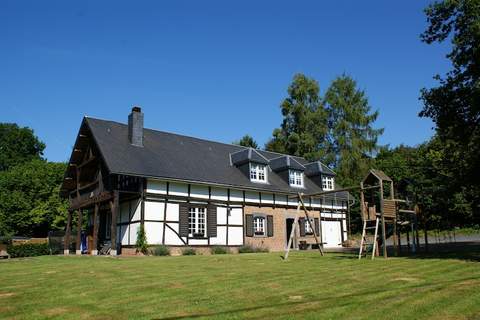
{"x":292,"y":158}
{"x":202,"y":139}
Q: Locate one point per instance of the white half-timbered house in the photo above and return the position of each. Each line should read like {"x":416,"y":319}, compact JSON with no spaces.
{"x":191,"y":192}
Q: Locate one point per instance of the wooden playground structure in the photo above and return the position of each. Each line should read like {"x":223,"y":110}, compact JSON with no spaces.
{"x":382,"y":215}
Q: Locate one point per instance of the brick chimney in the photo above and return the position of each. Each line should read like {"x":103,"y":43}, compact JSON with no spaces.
{"x":135,"y":127}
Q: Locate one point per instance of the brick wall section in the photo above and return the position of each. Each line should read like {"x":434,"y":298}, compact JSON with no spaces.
{"x":279,"y":240}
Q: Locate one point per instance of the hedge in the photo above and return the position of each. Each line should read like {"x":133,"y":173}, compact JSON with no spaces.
{"x":251,"y":249}
{"x":28,"y":250}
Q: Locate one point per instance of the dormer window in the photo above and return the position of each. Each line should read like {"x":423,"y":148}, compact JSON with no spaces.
{"x":258,"y":172}
{"x":295,"y":178}
{"x":327,"y":183}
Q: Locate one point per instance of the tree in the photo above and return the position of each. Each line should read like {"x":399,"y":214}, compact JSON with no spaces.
{"x":30,"y":204}
{"x":304,"y":130}
{"x":247,"y":141}
{"x":454,"y":105}
{"x":141,"y":244}
{"x":18,"y":145}
{"x":354,"y":141}
{"x":420,"y":177}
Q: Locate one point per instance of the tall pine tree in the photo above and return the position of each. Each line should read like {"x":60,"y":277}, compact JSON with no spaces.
{"x":304,"y":130}
{"x":353,"y":138}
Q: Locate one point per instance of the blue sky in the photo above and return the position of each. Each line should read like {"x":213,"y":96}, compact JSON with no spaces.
{"x":210,"y":69}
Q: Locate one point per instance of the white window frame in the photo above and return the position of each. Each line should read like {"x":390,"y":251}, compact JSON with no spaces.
{"x":258,"y":172}
{"x":328,"y":183}
{"x":259,"y":226}
{"x":308,"y":227}
{"x":197,"y":222}
{"x":295,"y":178}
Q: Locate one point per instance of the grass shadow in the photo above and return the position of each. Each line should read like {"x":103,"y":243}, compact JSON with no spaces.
{"x":468,"y":251}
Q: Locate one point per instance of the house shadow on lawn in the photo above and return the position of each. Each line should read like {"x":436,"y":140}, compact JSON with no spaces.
{"x":468,"y":251}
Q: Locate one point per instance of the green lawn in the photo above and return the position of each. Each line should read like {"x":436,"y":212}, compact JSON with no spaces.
{"x":252,"y":286}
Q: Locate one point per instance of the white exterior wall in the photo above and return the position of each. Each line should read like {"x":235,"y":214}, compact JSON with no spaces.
{"x":173,"y":211}
{"x":154,"y":232}
{"x":253,"y":197}
{"x":197,"y":191}
{"x":221,"y":238}
{"x":128,"y":211}
{"x":155,"y":186}
{"x":222,"y":215}
{"x":229,"y":220}
{"x":267,"y":198}
{"x":154,"y":210}
{"x":235,"y":236}
{"x":236,"y":195}
{"x":281,"y":199}
{"x":178,"y":189}
{"x":133,"y":229}
{"x":171,"y":238}
{"x":236,"y":216}
{"x":219,"y":194}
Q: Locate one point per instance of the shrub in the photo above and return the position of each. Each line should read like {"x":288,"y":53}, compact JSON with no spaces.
{"x":261,"y":249}
{"x":28,"y":250}
{"x":160,"y":251}
{"x":141,"y":243}
{"x":7,"y":239}
{"x":188,"y":252}
{"x":219,"y":250}
{"x":251,"y":249}
{"x":246,"y":249}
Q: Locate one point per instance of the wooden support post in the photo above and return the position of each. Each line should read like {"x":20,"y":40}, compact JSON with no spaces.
{"x":319,"y":244}
{"x":417,"y":236}
{"x":78,"y":250}
{"x":362,"y":203}
{"x":392,"y":196}
{"x":399,"y":240}
{"x":394,"y":236}
{"x":425,"y":230}
{"x":374,"y":248}
{"x":114,"y":209}
{"x":408,"y":240}
{"x":414,"y":243}
{"x":94,"y":250}
{"x":68,"y":231}
{"x":384,"y":234}
{"x":362,"y":240}
{"x":349,"y":226}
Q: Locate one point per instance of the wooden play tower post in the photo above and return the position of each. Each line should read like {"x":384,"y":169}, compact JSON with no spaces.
{"x":387,"y":209}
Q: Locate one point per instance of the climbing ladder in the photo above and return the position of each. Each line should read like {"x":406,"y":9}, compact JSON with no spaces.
{"x":365,"y":243}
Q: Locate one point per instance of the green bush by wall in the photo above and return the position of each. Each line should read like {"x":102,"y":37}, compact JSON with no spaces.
{"x":28,"y":250}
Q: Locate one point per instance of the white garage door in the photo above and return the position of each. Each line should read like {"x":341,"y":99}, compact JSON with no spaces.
{"x":332,"y":234}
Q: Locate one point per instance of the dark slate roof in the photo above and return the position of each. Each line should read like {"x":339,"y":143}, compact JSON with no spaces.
{"x":177,"y":157}
{"x":285,"y":162}
{"x":247,"y":155}
{"x":316,"y":168}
